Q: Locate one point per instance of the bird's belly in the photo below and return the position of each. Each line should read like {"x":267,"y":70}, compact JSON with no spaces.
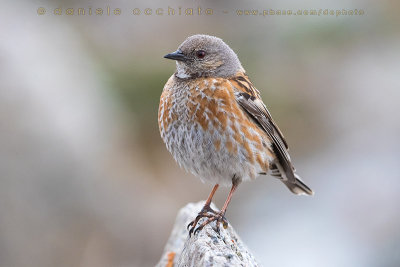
{"x":211,"y":154}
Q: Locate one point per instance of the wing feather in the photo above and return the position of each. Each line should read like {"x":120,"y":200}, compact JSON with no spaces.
{"x":250,"y":101}
{"x":256,"y":109}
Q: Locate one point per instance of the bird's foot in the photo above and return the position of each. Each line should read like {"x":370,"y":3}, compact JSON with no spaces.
{"x":211,"y":216}
{"x":206,"y":211}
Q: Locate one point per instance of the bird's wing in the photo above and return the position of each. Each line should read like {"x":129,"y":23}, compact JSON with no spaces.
{"x":250,"y":101}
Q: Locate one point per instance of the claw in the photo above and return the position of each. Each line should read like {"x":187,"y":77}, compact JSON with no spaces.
{"x":197,"y":229}
{"x":191,"y":232}
{"x":217,"y":216}
{"x":198,"y":217}
{"x":221,"y":220}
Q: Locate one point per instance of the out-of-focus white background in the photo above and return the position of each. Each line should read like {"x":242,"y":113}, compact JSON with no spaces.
{"x":85,"y":179}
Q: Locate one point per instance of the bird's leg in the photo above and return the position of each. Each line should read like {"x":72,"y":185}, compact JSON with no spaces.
{"x":207,"y":207}
{"x":219,"y":216}
{"x":205,"y":211}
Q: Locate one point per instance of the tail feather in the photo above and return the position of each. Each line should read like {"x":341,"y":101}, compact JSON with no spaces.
{"x":298,"y":187}
{"x":291,"y":180}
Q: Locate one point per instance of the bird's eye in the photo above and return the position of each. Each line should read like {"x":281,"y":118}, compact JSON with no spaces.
{"x":201,"y":54}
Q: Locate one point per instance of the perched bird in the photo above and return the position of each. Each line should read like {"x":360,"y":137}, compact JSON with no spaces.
{"x":216,"y":126}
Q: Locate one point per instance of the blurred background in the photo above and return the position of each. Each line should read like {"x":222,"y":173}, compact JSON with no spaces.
{"x":85,"y":179}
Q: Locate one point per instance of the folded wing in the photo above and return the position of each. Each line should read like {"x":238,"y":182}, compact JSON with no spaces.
{"x":250,"y":101}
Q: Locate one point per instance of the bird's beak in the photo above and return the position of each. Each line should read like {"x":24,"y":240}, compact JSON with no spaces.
{"x":177,"y":55}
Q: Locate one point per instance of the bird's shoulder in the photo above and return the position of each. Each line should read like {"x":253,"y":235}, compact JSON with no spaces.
{"x":242,"y":84}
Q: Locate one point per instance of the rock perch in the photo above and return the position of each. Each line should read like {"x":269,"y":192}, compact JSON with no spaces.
{"x":206,"y":248}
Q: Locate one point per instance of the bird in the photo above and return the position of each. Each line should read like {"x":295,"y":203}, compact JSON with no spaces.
{"x":216,"y":126}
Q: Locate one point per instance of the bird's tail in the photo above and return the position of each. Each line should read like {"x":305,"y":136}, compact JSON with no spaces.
{"x":298,"y":187}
